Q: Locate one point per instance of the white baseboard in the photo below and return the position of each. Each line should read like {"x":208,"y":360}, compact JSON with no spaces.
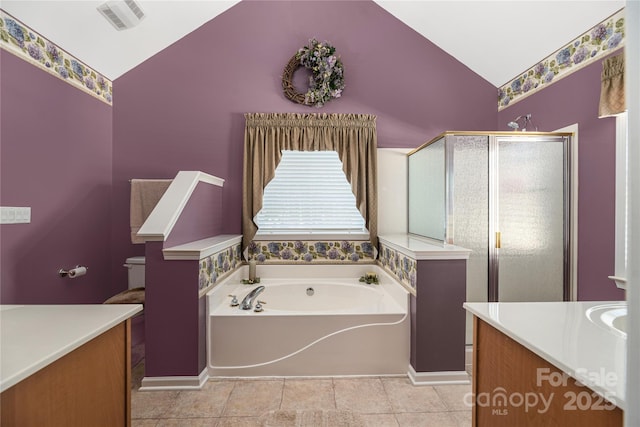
{"x":175,"y":383}
{"x":438,"y":378}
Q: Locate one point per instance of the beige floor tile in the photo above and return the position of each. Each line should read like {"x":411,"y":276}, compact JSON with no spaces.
{"x":206,"y":403}
{"x":310,"y":418}
{"x":144,"y":423}
{"x":239,"y":422}
{"x":188,"y":422}
{"x":308,"y":394}
{"x":463,"y":418}
{"x":426,"y":419}
{"x":253,"y":398}
{"x":406,"y":397}
{"x":455,"y":396}
{"x":151,"y":404}
{"x":361,"y":395}
{"x":379,"y":420}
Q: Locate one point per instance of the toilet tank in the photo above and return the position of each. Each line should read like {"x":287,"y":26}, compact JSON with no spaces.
{"x":135,"y":266}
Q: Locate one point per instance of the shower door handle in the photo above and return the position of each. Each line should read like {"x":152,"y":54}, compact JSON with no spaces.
{"x":497,"y":240}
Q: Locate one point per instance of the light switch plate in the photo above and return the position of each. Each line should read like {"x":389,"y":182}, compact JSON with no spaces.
{"x":15,"y":215}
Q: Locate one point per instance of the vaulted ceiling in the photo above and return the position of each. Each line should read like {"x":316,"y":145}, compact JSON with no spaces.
{"x":495,"y":39}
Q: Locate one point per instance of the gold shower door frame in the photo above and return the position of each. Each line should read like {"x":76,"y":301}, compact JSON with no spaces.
{"x":494,"y":232}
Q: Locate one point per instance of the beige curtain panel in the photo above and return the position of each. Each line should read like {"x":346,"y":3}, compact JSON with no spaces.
{"x":352,"y":136}
{"x":612,"y":98}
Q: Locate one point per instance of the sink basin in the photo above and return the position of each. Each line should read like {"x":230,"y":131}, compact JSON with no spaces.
{"x":611,"y":316}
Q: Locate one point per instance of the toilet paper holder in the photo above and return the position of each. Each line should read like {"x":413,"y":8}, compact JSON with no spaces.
{"x":71,"y":273}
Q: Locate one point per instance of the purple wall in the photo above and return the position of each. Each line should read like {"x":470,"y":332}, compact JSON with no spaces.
{"x":200,"y":218}
{"x":56,"y":158}
{"x":172,"y":316}
{"x":441,"y":290}
{"x":175,"y":316}
{"x":183,"y":108}
{"x":574,"y":99}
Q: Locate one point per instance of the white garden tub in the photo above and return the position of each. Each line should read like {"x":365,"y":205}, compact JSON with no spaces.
{"x":339,"y":327}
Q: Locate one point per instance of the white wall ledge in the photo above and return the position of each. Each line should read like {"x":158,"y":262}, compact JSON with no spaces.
{"x":201,"y":248}
{"x":421,"y":249}
{"x":164,"y":216}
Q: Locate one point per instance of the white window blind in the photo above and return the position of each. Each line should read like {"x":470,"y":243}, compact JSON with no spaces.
{"x":309,"y":194}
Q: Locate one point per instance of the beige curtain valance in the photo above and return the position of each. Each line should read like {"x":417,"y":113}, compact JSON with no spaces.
{"x":612,"y":97}
{"x":352,"y":136}
{"x":310,"y":120}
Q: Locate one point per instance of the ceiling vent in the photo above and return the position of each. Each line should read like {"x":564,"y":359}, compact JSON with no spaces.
{"x":122,"y":14}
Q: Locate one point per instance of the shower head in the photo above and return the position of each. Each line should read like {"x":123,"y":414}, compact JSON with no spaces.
{"x":526,"y":120}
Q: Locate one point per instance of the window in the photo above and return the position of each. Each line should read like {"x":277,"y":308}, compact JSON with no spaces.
{"x":309,"y":195}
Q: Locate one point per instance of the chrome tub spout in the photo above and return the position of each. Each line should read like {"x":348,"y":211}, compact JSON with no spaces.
{"x":247,"y":302}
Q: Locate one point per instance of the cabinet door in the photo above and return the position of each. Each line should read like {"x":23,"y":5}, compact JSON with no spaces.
{"x":88,"y":387}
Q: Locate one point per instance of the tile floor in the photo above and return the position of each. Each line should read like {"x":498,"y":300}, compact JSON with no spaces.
{"x":379,"y":402}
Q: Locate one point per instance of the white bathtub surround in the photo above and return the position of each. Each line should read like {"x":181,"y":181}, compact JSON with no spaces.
{"x":344,"y":328}
{"x":218,"y":256}
{"x":568,"y":336}
{"x":399,"y":254}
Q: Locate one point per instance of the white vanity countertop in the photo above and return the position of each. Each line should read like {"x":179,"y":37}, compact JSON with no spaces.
{"x":34,"y":336}
{"x":562,"y":334}
{"x":423,"y":249}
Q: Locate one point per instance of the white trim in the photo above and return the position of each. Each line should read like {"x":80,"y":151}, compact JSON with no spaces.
{"x":622,"y":167}
{"x":421,"y":249}
{"x":164,"y":216}
{"x":265,"y":236}
{"x":468,"y":358}
{"x":175,"y":383}
{"x":632,"y":61}
{"x":201,"y":248}
{"x":438,"y":378}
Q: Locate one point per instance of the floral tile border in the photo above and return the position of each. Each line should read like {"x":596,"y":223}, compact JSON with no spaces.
{"x":22,"y":41}
{"x":216,"y":266}
{"x":402,"y":266}
{"x":311,"y":251}
{"x":601,"y":40}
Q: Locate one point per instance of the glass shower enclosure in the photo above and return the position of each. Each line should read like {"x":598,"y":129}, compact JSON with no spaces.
{"x":505,"y":196}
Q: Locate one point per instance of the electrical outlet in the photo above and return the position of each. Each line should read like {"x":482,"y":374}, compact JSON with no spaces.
{"x":15,"y":215}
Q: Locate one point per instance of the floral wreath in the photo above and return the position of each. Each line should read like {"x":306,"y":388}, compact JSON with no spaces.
{"x":327,"y":81}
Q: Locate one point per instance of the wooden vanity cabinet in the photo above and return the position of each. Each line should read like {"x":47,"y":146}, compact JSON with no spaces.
{"x":90,"y":386}
{"x":506,"y":374}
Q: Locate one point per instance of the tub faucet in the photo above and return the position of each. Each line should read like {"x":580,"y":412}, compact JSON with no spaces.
{"x":247,"y":302}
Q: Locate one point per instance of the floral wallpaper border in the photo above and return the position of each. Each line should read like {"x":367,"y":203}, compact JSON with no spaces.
{"x":601,"y":40}
{"x":402,"y":266}
{"x":311,"y":251}
{"x":22,"y":41}
{"x":216,"y":266}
